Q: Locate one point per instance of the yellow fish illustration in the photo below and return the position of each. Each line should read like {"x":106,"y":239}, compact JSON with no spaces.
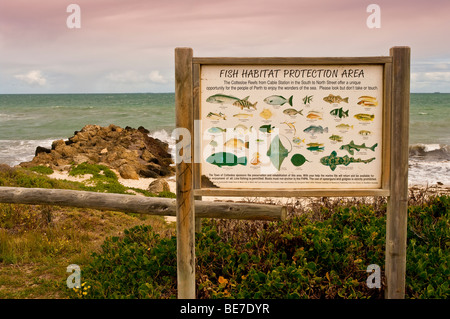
{"x":364,"y":117}
{"x":255,"y":160}
{"x":242,"y":115}
{"x":266,"y":114}
{"x":291,"y":125}
{"x":366,"y":100}
{"x":236,"y":143}
{"x":312,"y":115}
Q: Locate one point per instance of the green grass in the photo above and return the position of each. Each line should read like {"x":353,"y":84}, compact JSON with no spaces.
{"x":41,"y":169}
{"x":37,"y":243}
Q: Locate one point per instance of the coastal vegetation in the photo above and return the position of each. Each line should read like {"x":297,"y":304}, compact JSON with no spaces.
{"x":322,"y":250}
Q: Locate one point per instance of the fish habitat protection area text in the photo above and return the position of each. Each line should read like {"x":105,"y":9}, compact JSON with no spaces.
{"x":291,"y":73}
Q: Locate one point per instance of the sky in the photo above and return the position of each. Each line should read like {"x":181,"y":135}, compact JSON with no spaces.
{"x":128,"y":46}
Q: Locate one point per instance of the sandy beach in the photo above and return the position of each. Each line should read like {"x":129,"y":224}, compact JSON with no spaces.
{"x":143,"y":183}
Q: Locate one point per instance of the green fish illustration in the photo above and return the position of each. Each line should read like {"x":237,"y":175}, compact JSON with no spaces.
{"x":292,"y":112}
{"x":307,"y":99}
{"x":365,"y":117}
{"x":336,"y":138}
{"x":223,"y":99}
{"x":278,"y":100}
{"x":226,"y":159}
{"x":333,"y":160}
{"x":216,"y":129}
{"x":315,"y":147}
{"x":352,"y":146}
{"x":298,"y":159}
{"x":339,"y":112}
{"x":315,"y":129}
{"x":277,"y":152}
{"x":266,"y":128}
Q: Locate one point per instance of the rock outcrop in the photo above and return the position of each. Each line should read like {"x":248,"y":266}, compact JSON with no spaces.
{"x":131,"y":152}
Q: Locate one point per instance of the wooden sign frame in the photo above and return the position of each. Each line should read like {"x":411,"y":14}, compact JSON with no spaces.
{"x":394,"y":181}
{"x":386,"y":62}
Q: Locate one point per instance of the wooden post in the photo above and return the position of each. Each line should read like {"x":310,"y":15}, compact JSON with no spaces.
{"x":184,"y":176}
{"x":397,"y":212}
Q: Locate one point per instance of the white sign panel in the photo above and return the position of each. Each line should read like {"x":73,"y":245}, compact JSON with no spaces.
{"x":299,"y":126}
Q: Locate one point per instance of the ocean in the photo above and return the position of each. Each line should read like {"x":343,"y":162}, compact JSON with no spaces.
{"x":28,"y":121}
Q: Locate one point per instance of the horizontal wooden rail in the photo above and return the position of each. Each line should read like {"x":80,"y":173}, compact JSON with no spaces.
{"x":138,"y":204}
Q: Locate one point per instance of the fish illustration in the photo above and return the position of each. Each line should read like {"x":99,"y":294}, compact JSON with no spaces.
{"x":223,"y":99}
{"x":307,"y":99}
{"x":339,"y":112}
{"x":215,"y":116}
{"x":352,"y":146}
{"x":315,"y":129}
{"x":344,"y":127}
{"x":242,"y":115}
{"x":365,"y":133}
{"x":242,"y":129}
{"x":255,"y":159}
{"x":226,"y":159}
{"x":333,"y":160}
{"x":292,"y":112}
{"x":266,"y":114}
{"x":245,"y":104}
{"x":336,"y":138}
{"x":298,"y":160}
{"x":277,"y":152}
{"x":278,"y":100}
{"x":266,"y":128}
{"x":291,"y":126}
{"x":213,"y":143}
{"x":216,"y":129}
{"x":315,"y":147}
{"x":236,"y":143}
{"x":335,"y":99}
{"x":364,"y":117}
{"x":297,"y":140}
{"x":366,"y":100}
{"x":313,"y":115}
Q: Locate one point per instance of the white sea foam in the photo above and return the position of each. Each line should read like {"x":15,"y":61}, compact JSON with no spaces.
{"x":166,"y":137}
{"x":428,"y":172}
{"x":14,"y":152}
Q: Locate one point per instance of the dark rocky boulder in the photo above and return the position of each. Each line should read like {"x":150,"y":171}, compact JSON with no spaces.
{"x":131,"y":152}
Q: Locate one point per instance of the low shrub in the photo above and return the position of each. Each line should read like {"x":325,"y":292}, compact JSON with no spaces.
{"x":297,"y":258}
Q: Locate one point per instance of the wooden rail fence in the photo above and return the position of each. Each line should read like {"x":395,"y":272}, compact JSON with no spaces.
{"x":138,"y":204}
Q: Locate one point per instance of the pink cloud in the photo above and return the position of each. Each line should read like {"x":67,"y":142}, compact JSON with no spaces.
{"x":119,"y":36}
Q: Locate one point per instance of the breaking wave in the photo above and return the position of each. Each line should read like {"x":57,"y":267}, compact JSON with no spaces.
{"x":437,"y":152}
